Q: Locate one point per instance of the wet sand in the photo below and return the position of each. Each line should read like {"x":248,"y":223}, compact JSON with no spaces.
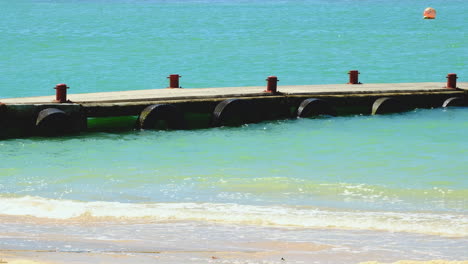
{"x":268,"y":253}
{"x":419,"y":262}
{"x":33,"y":240}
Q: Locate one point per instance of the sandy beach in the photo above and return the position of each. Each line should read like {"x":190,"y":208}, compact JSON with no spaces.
{"x":262,"y":257}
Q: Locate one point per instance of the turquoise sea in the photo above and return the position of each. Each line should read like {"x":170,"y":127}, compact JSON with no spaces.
{"x":328,"y":190}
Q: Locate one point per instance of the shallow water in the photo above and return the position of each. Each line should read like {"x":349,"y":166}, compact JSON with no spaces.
{"x":361,"y":162}
{"x":345,"y":182}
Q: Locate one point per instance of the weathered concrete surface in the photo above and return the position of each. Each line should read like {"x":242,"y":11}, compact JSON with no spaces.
{"x":19,"y":120}
{"x":253,"y":91}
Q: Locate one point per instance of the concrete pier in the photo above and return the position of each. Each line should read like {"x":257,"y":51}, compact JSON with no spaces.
{"x":19,"y":116}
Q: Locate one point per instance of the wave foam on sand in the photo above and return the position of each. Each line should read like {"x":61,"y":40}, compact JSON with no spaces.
{"x":419,"y":262}
{"x":450,"y":225}
{"x":86,"y":258}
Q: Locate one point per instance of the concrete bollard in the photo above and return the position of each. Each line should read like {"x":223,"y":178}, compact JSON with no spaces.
{"x":174,"y":81}
{"x":61,"y":93}
{"x":353,"y":77}
{"x":452,"y":80}
{"x":272,"y":84}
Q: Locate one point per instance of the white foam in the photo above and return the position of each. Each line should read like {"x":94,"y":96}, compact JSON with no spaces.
{"x":281,"y":216}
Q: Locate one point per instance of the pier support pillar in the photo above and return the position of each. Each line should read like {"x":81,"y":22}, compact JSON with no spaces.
{"x":161,"y":116}
{"x":61,"y":93}
{"x":3,"y":111}
{"x":353,"y":77}
{"x":174,"y":81}
{"x":272,"y":84}
{"x":315,"y":107}
{"x":233,"y":112}
{"x":387,"y":105}
{"x":452,"y":80}
{"x":455,"y":101}
{"x":53,"y":122}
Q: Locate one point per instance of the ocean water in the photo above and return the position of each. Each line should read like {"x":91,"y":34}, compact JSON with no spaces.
{"x":359,"y":188}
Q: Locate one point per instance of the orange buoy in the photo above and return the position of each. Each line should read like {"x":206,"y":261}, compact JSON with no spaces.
{"x":429,"y":13}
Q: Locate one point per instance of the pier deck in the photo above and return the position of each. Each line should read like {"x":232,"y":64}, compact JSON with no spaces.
{"x":179,"y":108}
{"x":143,"y":96}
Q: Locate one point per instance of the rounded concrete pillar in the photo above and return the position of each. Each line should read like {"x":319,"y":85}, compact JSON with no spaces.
{"x":232,"y":112}
{"x":3,"y":122}
{"x":3,"y":111}
{"x":315,"y":107}
{"x":454,"y":101}
{"x":53,"y":122}
{"x":161,"y":116}
{"x":387,"y":105}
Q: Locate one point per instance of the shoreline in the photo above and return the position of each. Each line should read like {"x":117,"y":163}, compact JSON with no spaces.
{"x":170,"y":257}
{"x":195,"y":243}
